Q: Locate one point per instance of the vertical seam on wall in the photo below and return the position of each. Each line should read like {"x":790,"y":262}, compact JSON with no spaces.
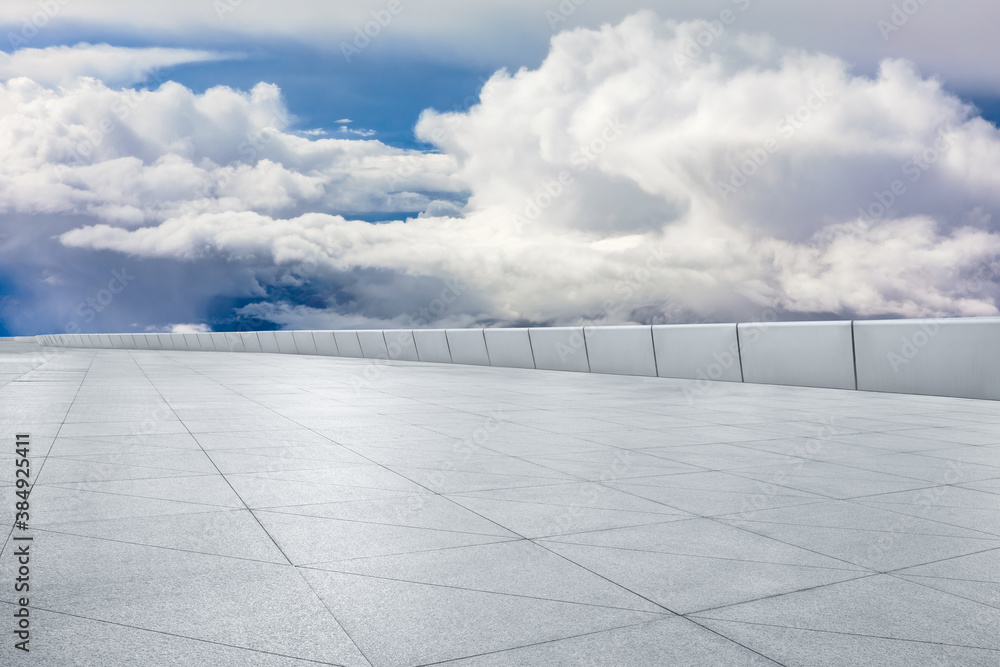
{"x":386,"y":343}
{"x":489,"y":361}
{"x":531,"y":348}
{"x":413,"y":338}
{"x":416,"y":348}
{"x":312,"y":334}
{"x":447,"y":343}
{"x":295,"y":345}
{"x":583,"y":331}
{"x":260,"y":348}
{"x":336,"y":345}
{"x":739,"y":351}
{"x":854,"y":356}
{"x":358,"y":338}
{"x":652,"y":342}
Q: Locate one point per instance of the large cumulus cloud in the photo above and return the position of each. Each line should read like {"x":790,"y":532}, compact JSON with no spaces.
{"x":631,"y":177}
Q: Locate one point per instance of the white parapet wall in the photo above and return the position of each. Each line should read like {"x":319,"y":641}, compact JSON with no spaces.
{"x":697,"y":352}
{"x":621,"y":350}
{"x":468,"y":346}
{"x":801,"y":354}
{"x":942,"y":357}
{"x":432,"y":345}
{"x":559,"y":349}
{"x":510,"y":348}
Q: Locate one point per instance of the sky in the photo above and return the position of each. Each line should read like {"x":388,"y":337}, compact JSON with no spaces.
{"x":249,"y":164}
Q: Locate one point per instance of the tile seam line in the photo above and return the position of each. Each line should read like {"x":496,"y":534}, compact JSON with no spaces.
{"x":901,"y":573}
{"x":772,"y":596}
{"x":166,"y":548}
{"x":274,"y":510}
{"x":172,"y":514}
{"x":716,"y":518}
{"x":487,"y":519}
{"x":986,"y":535}
{"x":540,"y":643}
{"x":179,"y":636}
{"x":849,"y":634}
{"x":129,"y":495}
{"x":731,"y":517}
{"x":418,"y":551}
{"x":247,"y":507}
{"x":581,"y":479}
{"x":857,"y":568}
{"x":938,"y":590}
{"x":314,"y":567}
{"x":3,"y":548}
{"x":436,"y":493}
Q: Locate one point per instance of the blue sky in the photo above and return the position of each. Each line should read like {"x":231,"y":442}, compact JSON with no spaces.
{"x":611,"y":171}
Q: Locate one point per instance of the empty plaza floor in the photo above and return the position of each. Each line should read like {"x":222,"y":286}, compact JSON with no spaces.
{"x":206,"y":508}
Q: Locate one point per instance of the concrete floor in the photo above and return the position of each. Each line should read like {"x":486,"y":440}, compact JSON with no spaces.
{"x":235,"y":509}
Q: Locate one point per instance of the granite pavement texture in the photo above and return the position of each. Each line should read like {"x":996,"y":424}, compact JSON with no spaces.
{"x":256,"y":509}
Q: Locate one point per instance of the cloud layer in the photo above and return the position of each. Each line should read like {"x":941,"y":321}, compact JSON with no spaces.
{"x":950,"y":39}
{"x":649,"y":171}
{"x":114,"y":65}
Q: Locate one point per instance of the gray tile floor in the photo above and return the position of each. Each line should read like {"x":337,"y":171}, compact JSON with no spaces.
{"x":233,"y":509}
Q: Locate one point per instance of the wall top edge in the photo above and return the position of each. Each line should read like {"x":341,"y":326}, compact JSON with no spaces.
{"x":946,"y":321}
{"x":812,"y":323}
{"x":860,"y":323}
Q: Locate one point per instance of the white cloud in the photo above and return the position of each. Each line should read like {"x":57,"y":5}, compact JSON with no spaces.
{"x":114,"y":65}
{"x":358,"y":133}
{"x":614,"y":182}
{"x":951,"y":39}
{"x":132,"y":157}
{"x":188,"y":328}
